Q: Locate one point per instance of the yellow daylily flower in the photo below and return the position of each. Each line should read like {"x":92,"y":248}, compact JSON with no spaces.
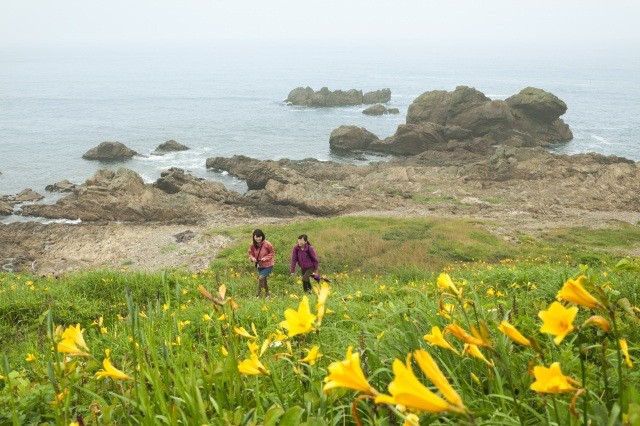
{"x":111,"y":371}
{"x":444,"y":282}
{"x":299,"y":322}
{"x":573,"y":291}
{"x":513,"y":334}
{"x":70,"y":347}
{"x":598,"y":321}
{"x":75,"y":334}
{"x":431,"y":369}
{"x":475,"y":352}
{"x":625,"y":350}
{"x":436,"y":338}
{"x":30,"y":358}
{"x":348,"y":374}
{"x":253,"y":347}
{"x":462,"y":334}
{"x":323,"y":293}
{"x":240,"y":331}
{"x":406,"y":390}
{"x":252,"y":366}
{"x":558,"y":321}
{"x":551,"y":380}
{"x":312,"y":356}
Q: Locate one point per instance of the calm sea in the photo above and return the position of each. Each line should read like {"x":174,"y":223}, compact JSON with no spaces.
{"x":55,"y":105}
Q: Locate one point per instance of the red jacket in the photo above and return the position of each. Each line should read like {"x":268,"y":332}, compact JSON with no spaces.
{"x":265,"y":252}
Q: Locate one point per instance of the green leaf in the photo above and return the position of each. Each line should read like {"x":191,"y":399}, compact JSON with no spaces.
{"x":272,"y":416}
{"x":292,"y":416}
{"x":314,"y":421}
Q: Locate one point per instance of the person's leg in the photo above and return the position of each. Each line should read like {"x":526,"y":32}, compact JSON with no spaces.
{"x":266,"y":287}
{"x":261,"y":283}
{"x":306,"y":280}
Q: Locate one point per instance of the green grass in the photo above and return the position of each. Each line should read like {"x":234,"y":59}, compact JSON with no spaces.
{"x":384,"y":300}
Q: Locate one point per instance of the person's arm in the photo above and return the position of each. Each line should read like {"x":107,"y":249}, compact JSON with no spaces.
{"x":294,"y":260}
{"x":252,"y":255}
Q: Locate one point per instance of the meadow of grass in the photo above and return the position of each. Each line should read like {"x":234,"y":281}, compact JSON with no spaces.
{"x":544,"y":331}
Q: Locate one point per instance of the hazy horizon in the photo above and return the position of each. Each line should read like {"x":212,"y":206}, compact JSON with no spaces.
{"x":118,"y":24}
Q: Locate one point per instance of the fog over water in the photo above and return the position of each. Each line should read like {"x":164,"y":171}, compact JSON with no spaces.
{"x":213,"y":76}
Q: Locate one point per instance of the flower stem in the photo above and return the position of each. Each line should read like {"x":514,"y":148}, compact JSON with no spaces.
{"x":275,"y":386}
{"x":619,"y":359}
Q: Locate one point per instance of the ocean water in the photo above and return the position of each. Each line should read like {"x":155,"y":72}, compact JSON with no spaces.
{"x":57,"y":104}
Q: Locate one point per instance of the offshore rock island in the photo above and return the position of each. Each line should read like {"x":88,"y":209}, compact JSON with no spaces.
{"x":306,"y":96}
{"x":460,"y":155}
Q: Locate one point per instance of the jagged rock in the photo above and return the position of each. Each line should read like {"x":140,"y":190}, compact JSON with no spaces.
{"x":109,"y":151}
{"x":381,"y":96}
{"x":169,"y":146}
{"x":537,"y":104}
{"x":411,"y":139}
{"x":184,"y":236}
{"x":62,"y":186}
{"x":393,"y":111}
{"x":26,"y":195}
{"x":6,"y":209}
{"x":351,"y":137}
{"x":175,"y":181}
{"x":377,"y":109}
{"x":305,"y":96}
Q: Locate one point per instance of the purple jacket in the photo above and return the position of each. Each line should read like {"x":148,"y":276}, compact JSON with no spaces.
{"x":305,"y":257}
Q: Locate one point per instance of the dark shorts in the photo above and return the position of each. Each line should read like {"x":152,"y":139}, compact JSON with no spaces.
{"x":264,"y":272}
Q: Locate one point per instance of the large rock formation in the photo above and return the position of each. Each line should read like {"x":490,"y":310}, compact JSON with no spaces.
{"x":437,"y":118}
{"x":305,"y":96}
{"x":532,"y":114}
{"x":123,"y":196}
{"x":109,"y":151}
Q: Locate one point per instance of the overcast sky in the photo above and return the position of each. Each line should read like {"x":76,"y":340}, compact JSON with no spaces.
{"x":47,"y":23}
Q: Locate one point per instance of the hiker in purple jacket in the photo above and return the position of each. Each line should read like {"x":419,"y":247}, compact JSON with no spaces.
{"x":305,"y":256}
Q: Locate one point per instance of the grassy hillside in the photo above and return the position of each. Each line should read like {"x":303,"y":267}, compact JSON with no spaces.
{"x":184,"y":359}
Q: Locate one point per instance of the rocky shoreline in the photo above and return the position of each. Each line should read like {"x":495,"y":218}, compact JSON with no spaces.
{"x":482,"y":159}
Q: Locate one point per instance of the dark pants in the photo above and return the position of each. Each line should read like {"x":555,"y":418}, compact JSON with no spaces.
{"x":306,"y":279}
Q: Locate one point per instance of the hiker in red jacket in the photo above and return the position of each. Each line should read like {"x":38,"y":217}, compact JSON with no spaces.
{"x":305,"y":256}
{"x":261,"y":253}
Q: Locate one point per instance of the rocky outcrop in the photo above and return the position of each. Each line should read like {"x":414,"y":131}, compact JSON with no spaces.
{"x":381,"y":96}
{"x":351,"y":138}
{"x":109,"y":151}
{"x":436,"y":119}
{"x":26,"y":195}
{"x":169,"y":146}
{"x":533,"y":114}
{"x":379,"y":109}
{"x":62,"y":186}
{"x":6,"y":209}
{"x":508,"y":185}
{"x":305,"y":96}
{"x":123,"y":196}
